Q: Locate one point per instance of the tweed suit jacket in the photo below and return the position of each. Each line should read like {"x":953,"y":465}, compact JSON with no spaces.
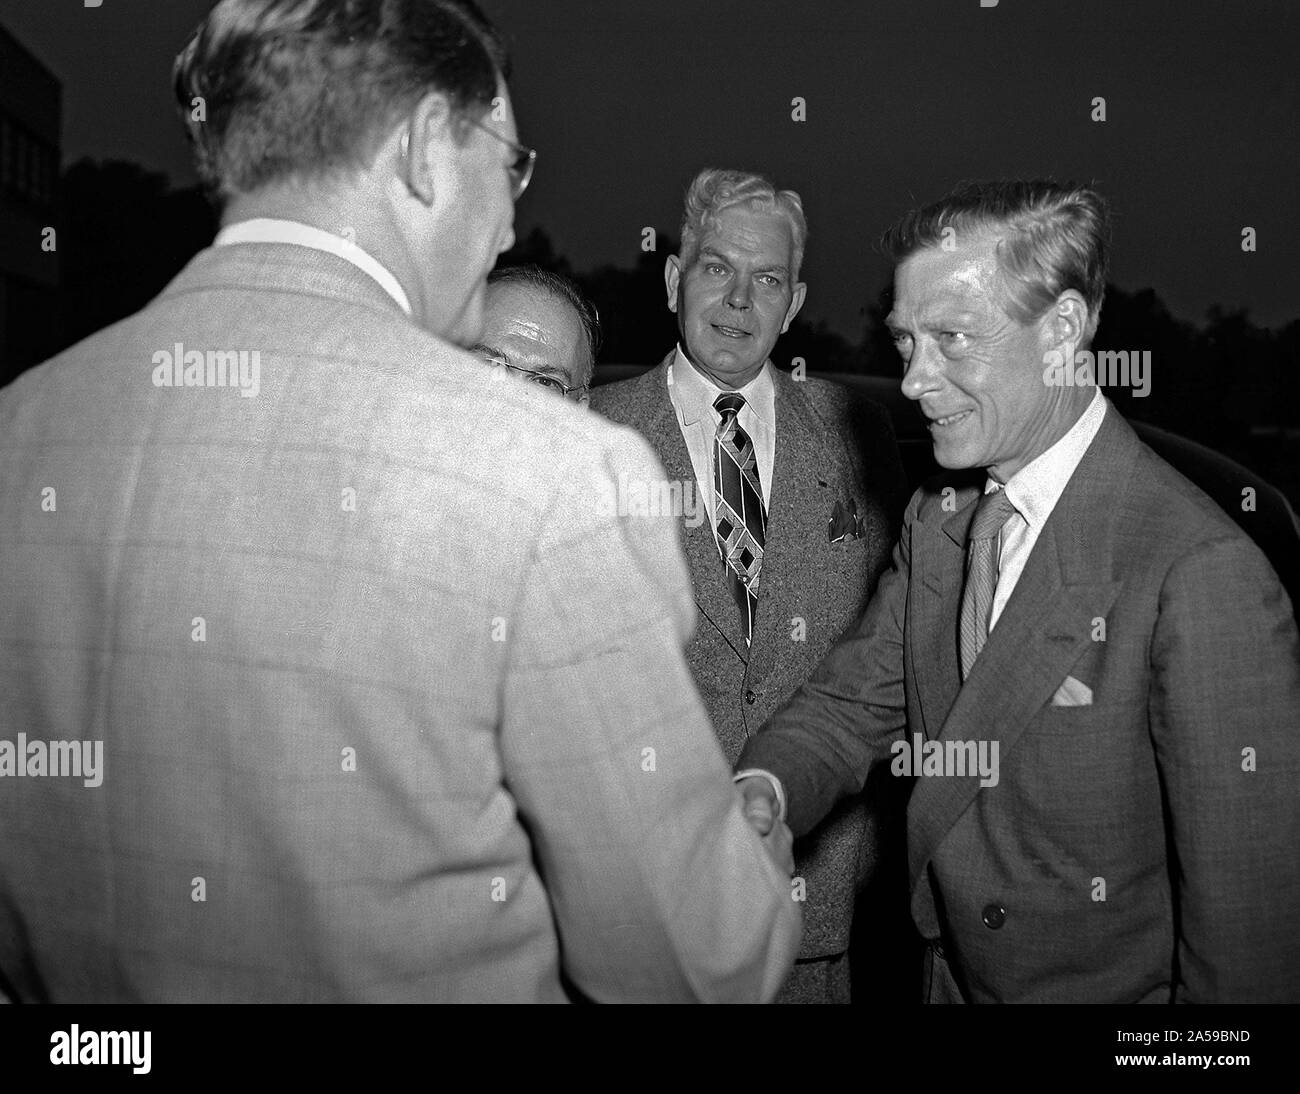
{"x":832,"y":446}
{"x":1139,"y":847}
{"x":392,"y":700}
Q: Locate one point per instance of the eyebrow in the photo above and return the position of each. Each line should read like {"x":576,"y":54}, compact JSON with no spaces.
{"x":491,"y":351}
{"x":893,"y":323}
{"x":777,"y":268}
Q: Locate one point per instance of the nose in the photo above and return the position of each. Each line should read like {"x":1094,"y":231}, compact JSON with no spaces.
{"x":923,"y":373}
{"x":738,"y":295}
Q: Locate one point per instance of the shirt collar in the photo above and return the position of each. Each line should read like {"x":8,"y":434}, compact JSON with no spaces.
{"x":692,"y":393}
{"x":1036,"y":488}
{"x":270,"y":230}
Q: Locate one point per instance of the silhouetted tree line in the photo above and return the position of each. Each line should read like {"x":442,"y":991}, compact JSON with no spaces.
{"x":1231,"y":385}
{"x":637,"y":327}
{"x":1224,"y":378}
{"x":123,"y":234}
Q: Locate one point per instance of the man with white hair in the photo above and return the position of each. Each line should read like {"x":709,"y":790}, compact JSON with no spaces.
{"x":799,"y":489}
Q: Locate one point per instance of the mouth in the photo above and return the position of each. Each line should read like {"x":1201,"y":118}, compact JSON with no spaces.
{"x":950,"y":420}
{"x":729,"y":332}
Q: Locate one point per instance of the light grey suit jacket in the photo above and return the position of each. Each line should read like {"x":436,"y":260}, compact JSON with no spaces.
{"x":1139,"y":848}
{"x":834,"y":447}
{"x":392,"y":701}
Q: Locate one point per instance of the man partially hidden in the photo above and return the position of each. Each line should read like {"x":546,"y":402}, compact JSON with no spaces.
{"x":539,"y":326}
{"x":1066,"y":606}
{"x":796,"y":485}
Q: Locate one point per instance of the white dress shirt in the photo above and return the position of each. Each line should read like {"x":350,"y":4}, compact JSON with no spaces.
{"x":269,"y":230}
{"x":692,"y":394}
{"x":1034,"y":490}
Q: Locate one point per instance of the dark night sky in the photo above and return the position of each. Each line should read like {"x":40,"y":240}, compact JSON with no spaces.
{"x":625,"y":100}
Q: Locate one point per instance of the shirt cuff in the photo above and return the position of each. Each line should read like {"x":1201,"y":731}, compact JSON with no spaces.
{"x":752,"y":772}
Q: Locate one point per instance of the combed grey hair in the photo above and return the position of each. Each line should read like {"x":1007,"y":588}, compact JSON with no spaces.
{"x":714,"y":190}
{"x":300,"y":89}
{"x":1055,"y":236}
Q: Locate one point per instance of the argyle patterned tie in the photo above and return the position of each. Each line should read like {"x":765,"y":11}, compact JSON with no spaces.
{"x":992,"y":512}
{"x":740,"y":520}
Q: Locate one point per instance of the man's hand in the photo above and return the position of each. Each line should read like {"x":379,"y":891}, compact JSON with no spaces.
{"x":760,"y":803}
{"x":760,"y":809}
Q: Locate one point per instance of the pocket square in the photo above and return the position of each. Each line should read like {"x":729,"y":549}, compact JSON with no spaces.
{"x":845,"y":522}
{"x":1072,"y":693}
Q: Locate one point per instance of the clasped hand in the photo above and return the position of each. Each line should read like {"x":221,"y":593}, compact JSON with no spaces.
{"x":760,"y":809}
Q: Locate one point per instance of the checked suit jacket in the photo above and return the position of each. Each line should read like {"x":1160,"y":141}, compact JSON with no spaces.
{"x":375,"y":665}
{"x":832,"y":446}
{"x":1138,"y":847}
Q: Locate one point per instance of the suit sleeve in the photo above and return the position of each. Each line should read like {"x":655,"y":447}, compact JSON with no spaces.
{"x":823,"y":742}
{"x":660,"y":889}
{"x":1225,"y":718}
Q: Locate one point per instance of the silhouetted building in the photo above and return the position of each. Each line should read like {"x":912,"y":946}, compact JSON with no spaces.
{"x":31,"y":102}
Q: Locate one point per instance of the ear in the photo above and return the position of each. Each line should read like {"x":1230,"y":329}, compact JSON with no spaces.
{"x":428,"y":140}
{"x":1066,"y":322}
{"x":796,"y":302}
{"x":672,"y":279}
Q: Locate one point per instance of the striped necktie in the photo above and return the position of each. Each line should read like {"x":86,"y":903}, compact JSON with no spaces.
{"x":740,"y":520}
{"x":992,"y":512}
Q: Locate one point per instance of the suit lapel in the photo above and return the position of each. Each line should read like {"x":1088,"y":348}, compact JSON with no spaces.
{"x":708,"y":577}
{"x":798,"y":484}
{"x":1045,"y":626}
{"x":938,"y":572}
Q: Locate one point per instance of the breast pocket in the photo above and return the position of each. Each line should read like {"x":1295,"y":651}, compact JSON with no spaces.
{"x":1086,"y":766}
{"x":845,"y":581}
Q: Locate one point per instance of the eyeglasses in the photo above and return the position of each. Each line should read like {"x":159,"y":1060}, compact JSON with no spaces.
{"x":521,"y":169}
{"x":539,"y":378}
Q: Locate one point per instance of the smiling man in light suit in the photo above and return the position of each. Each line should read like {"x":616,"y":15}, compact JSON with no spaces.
{"x":797,"y":488}
{"x":392,"y":702}
{"x":1068,"y":608}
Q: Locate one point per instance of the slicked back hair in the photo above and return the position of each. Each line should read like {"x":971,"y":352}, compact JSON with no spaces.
{"x":1054,"y":236}
{"x":271,"y":90}
{"x":714,"y":190}
{"x":563,"y":289}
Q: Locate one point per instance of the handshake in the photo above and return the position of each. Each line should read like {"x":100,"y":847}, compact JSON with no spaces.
{"x":762,"y":810}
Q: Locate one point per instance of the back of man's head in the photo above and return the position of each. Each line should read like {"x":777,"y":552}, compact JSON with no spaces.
{"x":292,"y":90}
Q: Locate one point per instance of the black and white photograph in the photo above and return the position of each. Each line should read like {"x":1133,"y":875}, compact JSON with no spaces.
{"x":659,"y":501}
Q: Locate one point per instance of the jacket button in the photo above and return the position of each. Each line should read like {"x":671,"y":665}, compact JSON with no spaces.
{"x":994,"y":916}
{"x":750,"y":697}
